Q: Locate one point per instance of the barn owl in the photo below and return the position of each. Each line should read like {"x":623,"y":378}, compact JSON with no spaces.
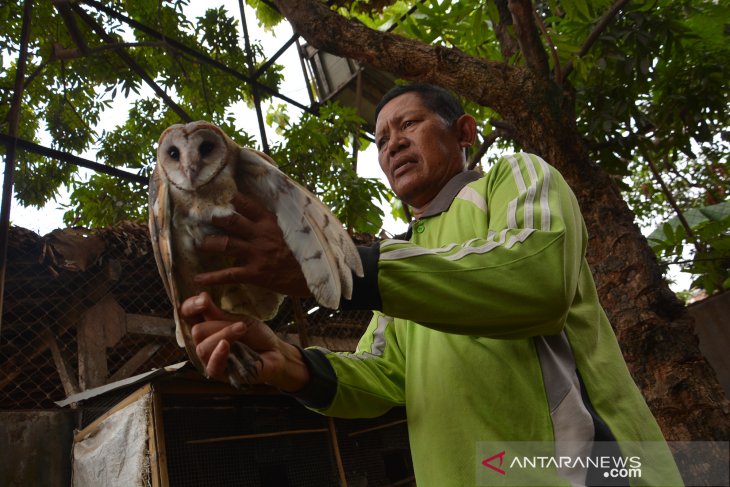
{"x":199,"y":170}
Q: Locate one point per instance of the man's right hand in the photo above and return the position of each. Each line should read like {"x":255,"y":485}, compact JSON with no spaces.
{"x":214,"y":330}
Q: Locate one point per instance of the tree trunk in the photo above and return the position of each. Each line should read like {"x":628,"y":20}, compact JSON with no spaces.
{"x":653,"y":328}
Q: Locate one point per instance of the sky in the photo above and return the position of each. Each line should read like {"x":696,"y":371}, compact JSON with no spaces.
{"x":44,"y":220}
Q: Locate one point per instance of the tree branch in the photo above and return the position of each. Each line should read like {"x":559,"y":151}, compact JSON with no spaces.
{"x":64,"y":8}
{"x":489,"y":139}
{"x":67,"y":101}
{"x":595,"y":33}
{"x":61,"y":53}
{"x":133,"y":65}
{"x":634,"y":135}
{"x":506,"y":127}
{"x":28,"y":146}
{"x":450,"y":68}
{"x":523,"y":15}
{"x":553,"y":49}
{"x":507,"y":44}
{"x":179,"y":46}
{"x":11,"y":149}
{"x":672,"y":202}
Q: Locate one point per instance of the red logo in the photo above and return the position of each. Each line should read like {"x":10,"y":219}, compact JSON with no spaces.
{"x":487,"y":463}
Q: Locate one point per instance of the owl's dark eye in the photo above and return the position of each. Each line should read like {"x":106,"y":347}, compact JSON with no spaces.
{"x":174,"y":152}
{"x":205,"y":148}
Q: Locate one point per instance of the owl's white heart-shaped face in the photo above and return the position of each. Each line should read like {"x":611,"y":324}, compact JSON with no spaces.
{"x":192,"y":155}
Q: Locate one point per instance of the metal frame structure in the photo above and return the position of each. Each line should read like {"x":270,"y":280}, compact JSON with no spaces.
{"x":351,"y":90}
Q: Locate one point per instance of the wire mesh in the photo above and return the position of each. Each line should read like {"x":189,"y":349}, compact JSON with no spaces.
{"x":376,"y":451}
{"x":71,"y":299}
{"x":286,"y":459}
{"x":297,"y":451}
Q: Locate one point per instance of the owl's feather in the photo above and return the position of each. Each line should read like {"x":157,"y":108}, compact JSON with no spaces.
{"x":312,"y":232}
{"x":159,"y":213}
{"x":199,"y":170}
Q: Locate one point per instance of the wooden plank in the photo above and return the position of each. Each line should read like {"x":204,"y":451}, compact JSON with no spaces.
{"x":336,"y":451}
{"x":379,"y":427}
{"x":134,"y":363}
{"x":154,"y":473}
{"x":14,"y":366}
{"x":301,"y":321}
{"x":64,"y":369}
{"x":713,"y":332}
{"x":92,"y":341}
{"x":273,"y":434}
{"x":68,"y":316}
{"x":115,"y":324}
{"x":156,"y":436}
{"x":191,"y":382}
{"x":150,"y":325}
{"x":133,"y":397}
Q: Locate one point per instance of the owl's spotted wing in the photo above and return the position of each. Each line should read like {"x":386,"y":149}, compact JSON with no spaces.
{"x":317,"y":239}
{"x":159,"y":208}
{"x":160,"y":218}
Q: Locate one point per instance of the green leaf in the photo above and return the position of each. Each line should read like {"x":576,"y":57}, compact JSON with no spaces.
{"x":695,"y":217}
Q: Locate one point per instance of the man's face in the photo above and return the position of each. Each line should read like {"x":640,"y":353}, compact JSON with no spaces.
{"x":417,"y":151}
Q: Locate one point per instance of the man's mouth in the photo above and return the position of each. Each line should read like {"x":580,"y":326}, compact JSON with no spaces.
{"x":402,"y":166}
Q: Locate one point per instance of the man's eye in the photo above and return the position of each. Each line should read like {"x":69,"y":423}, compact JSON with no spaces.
{"x":381,"y":143}
{"x":408,"y":123}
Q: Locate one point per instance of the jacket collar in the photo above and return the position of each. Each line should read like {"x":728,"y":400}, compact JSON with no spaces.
{"x":443,"y":199}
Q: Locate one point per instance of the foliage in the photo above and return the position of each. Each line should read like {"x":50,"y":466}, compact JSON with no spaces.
{"x":106,"y":200}
{"x":69,"y":96}
{"x":267,"y":16}
{"x":655,"y":88}
{"x":317,"y":153}
{"x":651,"y":88}
{"x":710,"y":228}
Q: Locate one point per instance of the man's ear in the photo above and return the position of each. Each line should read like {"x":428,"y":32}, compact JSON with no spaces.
{"x":467,"y":127}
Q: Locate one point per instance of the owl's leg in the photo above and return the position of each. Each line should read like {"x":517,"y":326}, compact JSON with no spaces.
{"x":242,"y":368}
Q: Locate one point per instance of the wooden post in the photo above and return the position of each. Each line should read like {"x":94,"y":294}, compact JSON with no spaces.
{"x":273,"y":434}
{"x":156,"y":438}
{"x":379,"y":427}
{"x":64,"y":369}
{"x":100,"y":326}
{"x":301,"y":320}
{"x":134,"y":363}
{"x":13,"y":118}
{"x":336,"y":450}
{"x":358,"y":110}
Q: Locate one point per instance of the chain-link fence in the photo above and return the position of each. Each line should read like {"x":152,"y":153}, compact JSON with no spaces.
{"x":82,"y":309}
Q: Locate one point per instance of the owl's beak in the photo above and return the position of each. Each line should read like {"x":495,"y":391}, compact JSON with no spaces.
{"x":191,"y":172}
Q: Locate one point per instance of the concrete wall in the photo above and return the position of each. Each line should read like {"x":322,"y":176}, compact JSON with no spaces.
{"x":712,"y":325}
{"x":35,"y":448}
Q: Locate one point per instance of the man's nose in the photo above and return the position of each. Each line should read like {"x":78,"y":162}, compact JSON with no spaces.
{"x":397,"y":143}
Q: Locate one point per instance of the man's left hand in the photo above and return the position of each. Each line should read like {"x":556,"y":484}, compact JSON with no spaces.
{"x":262,"y":257}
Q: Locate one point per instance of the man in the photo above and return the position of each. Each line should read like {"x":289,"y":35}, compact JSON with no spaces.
{"x":487,"y":324}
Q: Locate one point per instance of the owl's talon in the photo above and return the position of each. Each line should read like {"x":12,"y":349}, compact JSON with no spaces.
{"x":242,"y":369}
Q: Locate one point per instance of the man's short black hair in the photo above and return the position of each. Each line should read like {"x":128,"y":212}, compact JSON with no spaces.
{"x":440,"y":101}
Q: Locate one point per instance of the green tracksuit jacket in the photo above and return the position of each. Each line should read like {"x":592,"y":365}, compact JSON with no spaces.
{"x":489,"y":330}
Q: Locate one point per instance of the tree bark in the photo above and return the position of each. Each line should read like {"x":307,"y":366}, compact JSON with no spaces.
{"x":654,"y":330}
